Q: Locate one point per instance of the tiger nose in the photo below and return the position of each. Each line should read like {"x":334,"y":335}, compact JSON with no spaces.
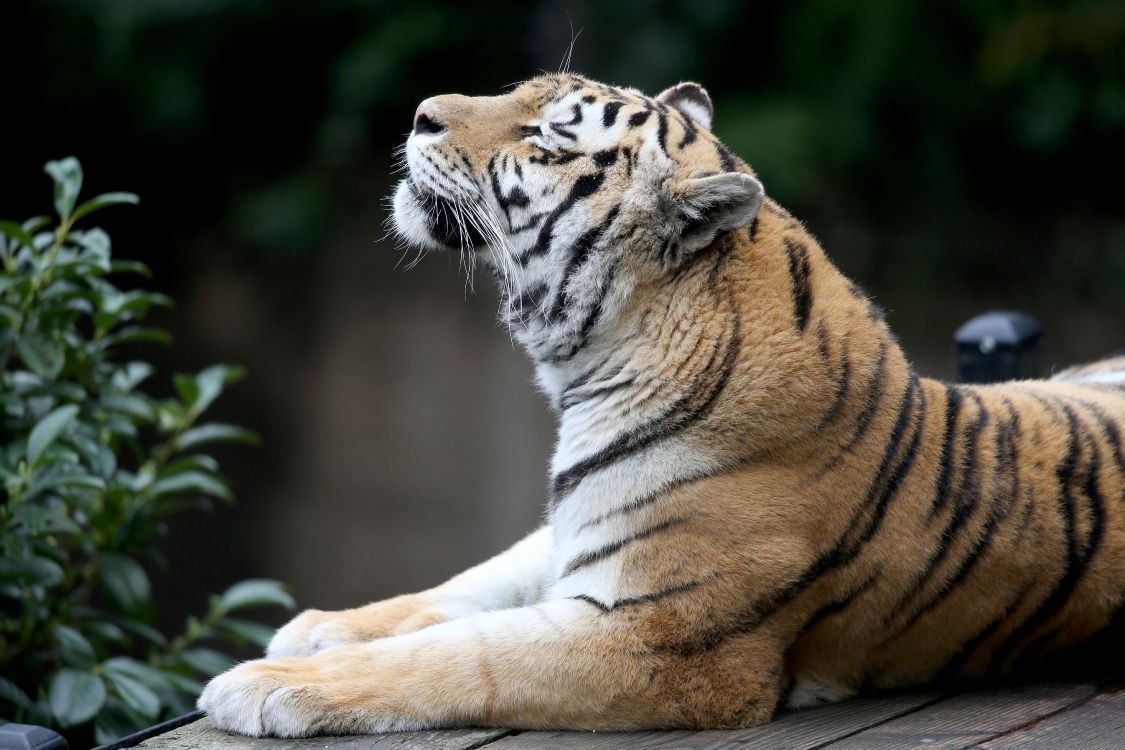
{"x":426,"y":121}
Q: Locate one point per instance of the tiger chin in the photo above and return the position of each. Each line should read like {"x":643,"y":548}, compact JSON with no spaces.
{"x":753,"y":500}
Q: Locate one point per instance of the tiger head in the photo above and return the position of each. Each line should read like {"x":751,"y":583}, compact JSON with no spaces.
{"x":573,"y":193}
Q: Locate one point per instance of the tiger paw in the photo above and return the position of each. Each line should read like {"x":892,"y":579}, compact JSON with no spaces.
{"x":341,"y":691}
{"x":314,"y":630}
{"x":264,"y":699}
{"x":309,"y":633}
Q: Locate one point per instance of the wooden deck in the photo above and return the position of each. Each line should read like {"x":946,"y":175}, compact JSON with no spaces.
{"x":1008,"y":718}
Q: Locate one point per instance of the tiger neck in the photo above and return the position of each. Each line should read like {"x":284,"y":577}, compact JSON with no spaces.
{"x":763,"y":349}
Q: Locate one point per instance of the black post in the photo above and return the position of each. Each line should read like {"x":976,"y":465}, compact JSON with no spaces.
{"x":29,"y":737}
{"x":998,"y":346}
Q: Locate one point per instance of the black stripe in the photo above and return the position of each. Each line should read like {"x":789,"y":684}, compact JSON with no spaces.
{"x":662,"y":132}
{"x":1110,"y":432}
{"x":965,"y":498}
{"x":952,"y":409}
{"x":639,"y":118}
{"x":593,"y":556}
{"x":799,"y":281}
{"x":571,"y":401}
{"x":566,"y":156}
{"x":530,"y":300}
{"x":884,"y":485}
{"x":578,"y":255}
{"x":1078,"y":552}
{"x":681,"y":414}
{"x":592,"y":316}
{"x":585,"y":186}
{"x":609,"y":114}
{"x":839,"y":604}
{"x":1000,"y":504}
{"x":841,"y":390}
{"x":563,"y":132}
{"x":606,"y":158}
{"x":873,"y":399}
{"x":644,"y":501}
{"x":585,"y":377}
{"x":517,"y":197}
{"x":631,"y":601}
{"x":690,"y":133}
{"x":961,"y":655}
{"x":726,"y":157}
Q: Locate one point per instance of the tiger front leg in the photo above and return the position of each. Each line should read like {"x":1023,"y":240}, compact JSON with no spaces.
{"x":513,"y":578}
{"x":559,"y":664}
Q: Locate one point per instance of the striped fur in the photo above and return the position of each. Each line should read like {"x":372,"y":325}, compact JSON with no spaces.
{"x":753,"y":498}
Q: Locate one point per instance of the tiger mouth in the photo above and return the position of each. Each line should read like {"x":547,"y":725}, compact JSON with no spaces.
{"x":441,"y":221}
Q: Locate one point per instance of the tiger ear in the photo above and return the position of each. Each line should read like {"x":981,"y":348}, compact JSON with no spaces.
{"x":709,"y":206}
{"x":692,"y":100}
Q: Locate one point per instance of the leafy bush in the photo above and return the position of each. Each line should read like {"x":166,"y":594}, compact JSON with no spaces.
{"x":90,"y":465}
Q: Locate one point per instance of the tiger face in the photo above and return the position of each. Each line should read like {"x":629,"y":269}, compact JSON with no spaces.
{"x":573,"y":193}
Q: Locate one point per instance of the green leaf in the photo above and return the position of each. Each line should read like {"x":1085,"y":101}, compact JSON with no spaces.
{"x":67,"y":174}
{"x":106,"y":632}
{"x":134,"y":694}
{"x":130,"y":266}
{"x":74,"y":649}
{"x":137,"y":670}
{"x":130,"y":404}
{"x":115,"y":721}
{"x":7,"y":282}
{"x":102,"y":201}
{"x":256,"y":592}
{"x":214,"y":432}
{"x":35,"y":571}
{"x":75,"y":696}
{"x":33,"y":225}
{"x":253,"y":632}
{"x":182,"y":683}
{"x":195,"y":462}
{"x":16,"y":232}
{"x":11,"y":693}
{"x":48,"y":428}
{"x":126,"y":583}
{"x":43,"y":355}
{"x":36,"y":520}
{"x":199,"y":391}
{"x":206,"y":660}
{"x":130,"y":334}
{"x":191,"y":481}
{"x":130,"y":375}
{"x":140,"y":629}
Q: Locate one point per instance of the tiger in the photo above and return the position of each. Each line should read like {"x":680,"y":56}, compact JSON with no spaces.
{"x":754,"y":501}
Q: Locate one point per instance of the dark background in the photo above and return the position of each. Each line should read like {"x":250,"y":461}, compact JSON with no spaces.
{"x":951,"y":155}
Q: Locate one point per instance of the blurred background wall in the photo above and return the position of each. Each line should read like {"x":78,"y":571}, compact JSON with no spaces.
{"x":952,"y":156}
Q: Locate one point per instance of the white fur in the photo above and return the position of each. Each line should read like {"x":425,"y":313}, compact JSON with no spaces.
{"x":811,"y":691}
{"x":1105,"y":376}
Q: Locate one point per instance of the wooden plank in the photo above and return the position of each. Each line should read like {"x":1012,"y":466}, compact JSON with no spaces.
{"x":966,"y":720}
{"x":796,"y":730}
{"x":1098,"y":724}
{"x":201,"y":735}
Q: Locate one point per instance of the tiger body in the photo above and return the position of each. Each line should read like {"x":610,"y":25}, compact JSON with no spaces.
{"x":753,"y":498}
